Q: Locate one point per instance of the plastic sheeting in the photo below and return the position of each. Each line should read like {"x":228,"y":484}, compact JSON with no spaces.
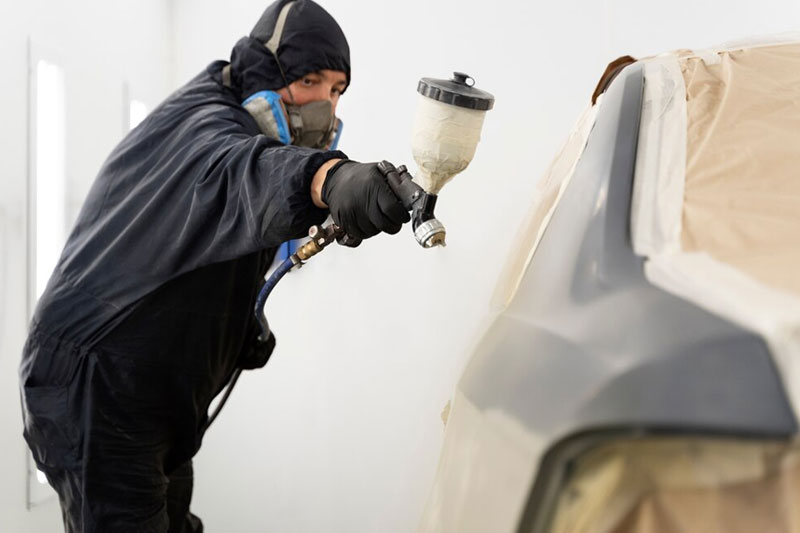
{"x":676,"y":485}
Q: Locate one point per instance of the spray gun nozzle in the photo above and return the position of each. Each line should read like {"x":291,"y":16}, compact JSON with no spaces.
{"x":430,"y":233}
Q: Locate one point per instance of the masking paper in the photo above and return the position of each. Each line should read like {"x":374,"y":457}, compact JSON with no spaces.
{"x":674,"y":485}
{"x":487,"y":462}
{"x":716,"y":207}
{"x":657,"y":201}
{"x":742,"y":190}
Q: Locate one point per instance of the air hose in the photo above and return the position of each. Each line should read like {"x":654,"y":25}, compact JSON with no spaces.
{"x":320,"y":238}
{"x":428,"y":231}
{"x":263,"y":294}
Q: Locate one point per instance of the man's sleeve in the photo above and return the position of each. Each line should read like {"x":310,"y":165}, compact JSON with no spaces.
{"x":192,"y":186}
{"x":186,"y":205}
{"x":255,"y":194}
{"x":260,"y":190}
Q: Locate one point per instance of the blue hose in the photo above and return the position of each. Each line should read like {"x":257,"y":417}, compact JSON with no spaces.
{"x":273,"y":280}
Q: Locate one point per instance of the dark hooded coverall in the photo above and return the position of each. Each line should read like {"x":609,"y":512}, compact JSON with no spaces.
{"x":150,"y":308}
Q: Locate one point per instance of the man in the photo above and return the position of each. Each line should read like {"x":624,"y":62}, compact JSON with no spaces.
{"x":149,"y":310}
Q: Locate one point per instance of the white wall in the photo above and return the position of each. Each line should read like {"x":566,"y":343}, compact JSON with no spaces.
{"x":99,"y":44}
{"x":341,"y":431}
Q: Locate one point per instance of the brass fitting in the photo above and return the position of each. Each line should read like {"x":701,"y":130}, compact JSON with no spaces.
{"x":320,"y":238}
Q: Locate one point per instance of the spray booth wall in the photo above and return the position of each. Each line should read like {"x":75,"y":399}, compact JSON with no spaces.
{"x":108,"y":53}
{"x":341,"y":431}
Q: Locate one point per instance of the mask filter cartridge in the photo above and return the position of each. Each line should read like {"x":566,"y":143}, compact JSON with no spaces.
{"x":267,"y":109}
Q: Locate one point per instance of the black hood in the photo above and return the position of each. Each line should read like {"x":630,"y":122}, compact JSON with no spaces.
{"x":311,"y":40}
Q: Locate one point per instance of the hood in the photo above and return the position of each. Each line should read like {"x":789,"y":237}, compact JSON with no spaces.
{"x":304,"y":38}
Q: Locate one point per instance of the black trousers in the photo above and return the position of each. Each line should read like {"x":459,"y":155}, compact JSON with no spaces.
{"x":113,"y":439}
{"x":112,"y":510}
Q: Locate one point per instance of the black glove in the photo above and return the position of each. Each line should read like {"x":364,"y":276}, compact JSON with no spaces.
{"x":361,"y":202}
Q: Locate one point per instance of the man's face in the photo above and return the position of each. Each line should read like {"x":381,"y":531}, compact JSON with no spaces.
{"x":322,"y":85}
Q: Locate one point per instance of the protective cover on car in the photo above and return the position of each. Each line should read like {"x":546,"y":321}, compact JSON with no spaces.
{"x":717,"y":187}
{"x":672,"y":485}
{"x":586,"y":348}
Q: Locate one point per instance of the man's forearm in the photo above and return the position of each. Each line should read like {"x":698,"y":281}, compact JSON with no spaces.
{"x":319,"y":180}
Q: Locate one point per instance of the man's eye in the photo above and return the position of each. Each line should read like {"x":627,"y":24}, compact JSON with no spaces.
{"x":308,"y":81}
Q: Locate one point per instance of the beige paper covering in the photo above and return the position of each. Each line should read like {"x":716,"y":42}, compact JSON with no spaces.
{"x":729,"y":241}
{"x":485,"y":470}
{"x":742,"y":188}
{"x":678,"y":485}
{"x":657,"y":200}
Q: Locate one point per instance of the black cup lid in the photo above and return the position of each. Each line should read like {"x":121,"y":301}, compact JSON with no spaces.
{"x":457,"y":91}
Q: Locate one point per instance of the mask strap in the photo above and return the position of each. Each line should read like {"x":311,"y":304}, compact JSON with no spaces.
{"x":272,"y":46}
{"x":275,"y":41}
{"x":277,"y":33}
{"x":226,"y":76}
{"x":283,"y":75}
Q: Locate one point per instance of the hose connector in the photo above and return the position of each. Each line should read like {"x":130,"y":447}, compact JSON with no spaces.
{"x":319,"y":238}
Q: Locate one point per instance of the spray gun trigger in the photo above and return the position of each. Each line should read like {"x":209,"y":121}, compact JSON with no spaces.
{"x":401,"y":183}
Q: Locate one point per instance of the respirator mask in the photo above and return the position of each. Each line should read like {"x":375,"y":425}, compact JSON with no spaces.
{"x":313,"y":39}
{"x":312,"y":125}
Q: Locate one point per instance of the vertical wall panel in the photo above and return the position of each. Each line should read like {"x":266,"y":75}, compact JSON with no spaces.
{"x":98,"y":45}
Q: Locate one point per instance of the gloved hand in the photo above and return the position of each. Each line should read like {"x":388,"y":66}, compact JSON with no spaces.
{"x":361,"y":201}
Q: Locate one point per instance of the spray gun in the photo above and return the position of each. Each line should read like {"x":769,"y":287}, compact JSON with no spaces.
{"x":428,"y":230}
{"x":446,"y":132}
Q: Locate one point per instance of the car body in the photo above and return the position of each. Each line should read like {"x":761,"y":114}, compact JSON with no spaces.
{"x":625,"y":383}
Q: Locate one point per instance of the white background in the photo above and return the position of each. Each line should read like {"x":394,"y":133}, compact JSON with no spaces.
{"x":341,"y":431}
